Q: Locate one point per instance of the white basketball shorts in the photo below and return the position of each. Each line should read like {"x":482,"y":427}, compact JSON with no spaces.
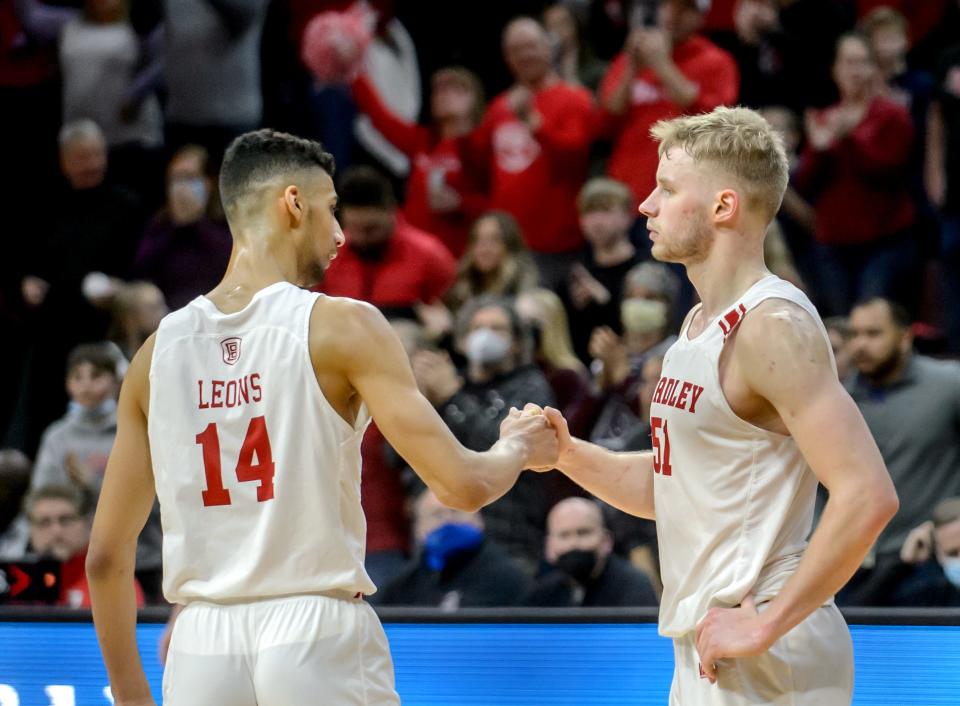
{"x":812,"y":665}
{"x":279,"y":652}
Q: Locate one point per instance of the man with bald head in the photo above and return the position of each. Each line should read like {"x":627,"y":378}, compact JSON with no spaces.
{"x":244,"y":414}
{"x":531,"y":149}
{"x":586,"y":573}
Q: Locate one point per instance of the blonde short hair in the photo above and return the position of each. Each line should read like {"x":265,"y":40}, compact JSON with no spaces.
{"x":602,"y":193}
{"x":738,"y":141}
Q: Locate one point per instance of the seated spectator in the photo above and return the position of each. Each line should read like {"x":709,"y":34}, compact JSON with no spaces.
{"x":576,"y":62}
{"x":498,"y":376}
{"x":60,"y":529}
{"x":594,"y":287}
{"x":440,"y":200}
{"x":585,"y":572}
{"x":935,"y":547}
{"x":649,"y":297}
{"x":138,"y":308}
{"x":14,"y":482}
{"x":663,"y":71}
{"x":75,"y":448}
{"x":543,"y":312}
{"x":385,"y":261}
{"x":853,"y":172}
{"x":911,"y":404}
{"x":457,"y":566}
{"x":186,"y":247}
{"x":532,"y":148}
{"x":496,"y":261}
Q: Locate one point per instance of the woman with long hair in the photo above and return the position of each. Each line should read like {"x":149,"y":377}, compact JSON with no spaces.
{"x":496,"y":261}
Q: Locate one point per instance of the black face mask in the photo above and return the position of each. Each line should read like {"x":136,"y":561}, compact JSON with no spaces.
{"x":578,"y":564}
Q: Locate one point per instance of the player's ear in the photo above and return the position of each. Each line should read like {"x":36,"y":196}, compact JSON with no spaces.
{"x":293,"y":204}
{"x":725,"y":206}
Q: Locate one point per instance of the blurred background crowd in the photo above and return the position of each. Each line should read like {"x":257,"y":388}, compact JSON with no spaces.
{"x":490,"y":160}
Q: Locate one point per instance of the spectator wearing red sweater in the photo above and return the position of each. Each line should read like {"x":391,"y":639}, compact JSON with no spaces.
{"x":532,"y":147}
{"x":440,"y":200}
{"x":664,"y":71}
{"x":854,"y":172}
{"x":385,"y":260}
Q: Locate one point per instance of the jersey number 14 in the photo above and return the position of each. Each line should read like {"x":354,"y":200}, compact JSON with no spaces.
{"x":255,"y":442}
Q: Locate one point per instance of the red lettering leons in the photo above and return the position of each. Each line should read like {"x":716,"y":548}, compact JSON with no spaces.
{"x":218,"y":394}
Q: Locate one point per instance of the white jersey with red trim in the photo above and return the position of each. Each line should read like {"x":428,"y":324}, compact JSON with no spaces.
{"x":258,"y":476}
{"x":734,"y":502}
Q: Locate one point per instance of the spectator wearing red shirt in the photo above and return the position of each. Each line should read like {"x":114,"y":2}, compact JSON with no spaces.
{"x":854,"y":170}
{"x":440,"y":199}
{"x":664,"y":71}
{"x":532,"y":149}
{"x":60,"y":529}
{"x":385,"y":260}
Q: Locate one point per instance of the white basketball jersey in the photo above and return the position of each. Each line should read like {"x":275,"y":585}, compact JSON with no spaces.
{"x":734,"y":502}
{"x":258,"y":476}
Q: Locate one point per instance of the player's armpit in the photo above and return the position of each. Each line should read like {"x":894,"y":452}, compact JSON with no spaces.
{"x":373,"y":360}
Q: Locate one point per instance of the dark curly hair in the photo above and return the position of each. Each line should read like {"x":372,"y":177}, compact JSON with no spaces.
{"x":262,"y":154}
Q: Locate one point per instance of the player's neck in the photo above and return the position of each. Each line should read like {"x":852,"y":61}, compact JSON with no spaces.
{"x":255,"y":264}
{"x":723,"y":277}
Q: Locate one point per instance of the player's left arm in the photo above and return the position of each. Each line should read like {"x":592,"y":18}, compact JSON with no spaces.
{"x":125,"y":501}
{"x":784,"y":359}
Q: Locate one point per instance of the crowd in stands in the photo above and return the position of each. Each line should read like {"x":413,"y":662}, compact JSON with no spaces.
{"x":490,"y":160}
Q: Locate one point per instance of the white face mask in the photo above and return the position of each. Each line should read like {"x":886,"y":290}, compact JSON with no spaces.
{"x":485,"y":346}
{"x":951,"y":569}
{"x":643,"y":315}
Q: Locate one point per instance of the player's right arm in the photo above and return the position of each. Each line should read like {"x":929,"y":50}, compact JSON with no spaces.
{"x":125,"y":501}
{"x":624,"y":480}
{"x":370,"y":356}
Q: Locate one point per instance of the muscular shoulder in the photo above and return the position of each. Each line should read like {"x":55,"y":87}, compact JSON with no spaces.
{"x":780,"y":349}
{"x":136,"y":382}
{"x":344,"y":329}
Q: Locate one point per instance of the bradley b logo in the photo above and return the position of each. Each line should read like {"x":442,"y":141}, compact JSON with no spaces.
{"x":231,"y":349}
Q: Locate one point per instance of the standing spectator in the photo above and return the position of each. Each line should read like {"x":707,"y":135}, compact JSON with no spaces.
{"x":385,"y":260}
{"x":576,"y":63}
{"x":496,"y":262}
{"x":594,"y":287}
{"x":458,"y":565}
{"x":942,"y":177}
{"x":93,"y":231}
{"x":186,"y":247}
{"x":912,"y":405}
{"x":60,"y":529}
{"x":532,"y":149}
{"x":212,"y":71}
{"x":439,"y":200}
{"x":499,"y":376}
{"x":586,"y":572}
{"x":393,"y":70}
{"x":664,"y":71}
{"x":853,"y":171}
{"x":109,"y":76}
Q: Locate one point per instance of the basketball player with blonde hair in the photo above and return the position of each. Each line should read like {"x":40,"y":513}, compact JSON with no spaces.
{"x":747,"y":416}
{"x":244,"y":414}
